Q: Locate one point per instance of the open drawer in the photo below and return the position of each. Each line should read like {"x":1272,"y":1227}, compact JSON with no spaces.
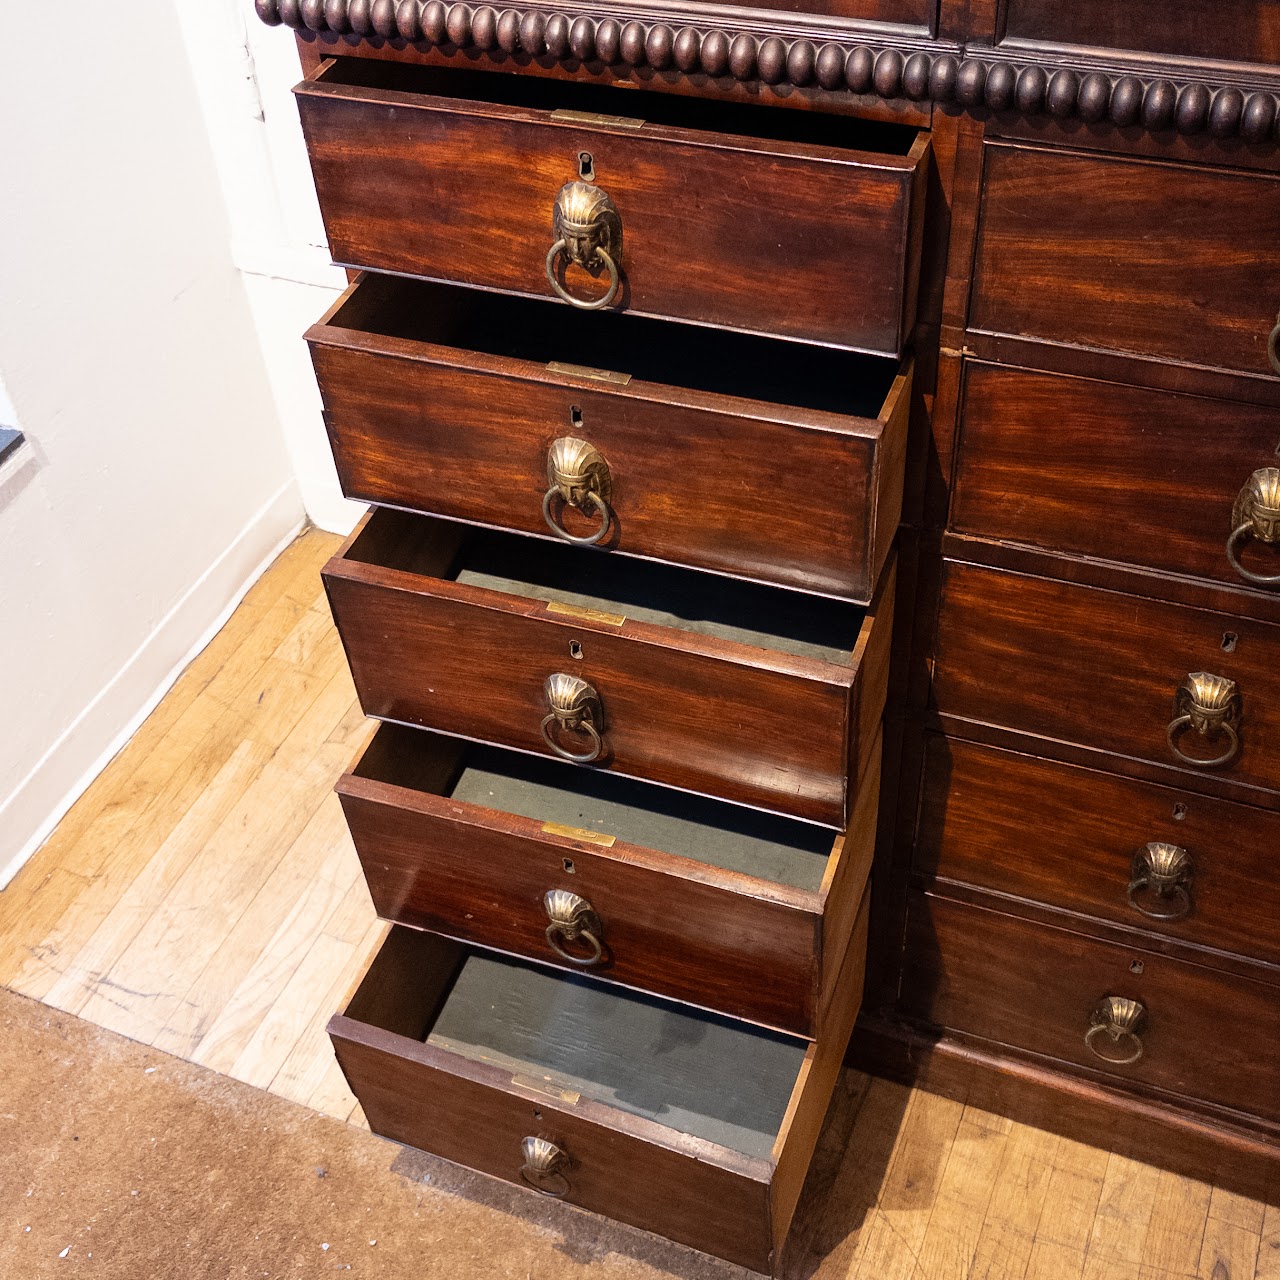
{"x":790,"y":223}
{"x":751,"y":694}
{"x":721,"y":451}
{"x":701,"y":901}
{"x":663,"y":1117}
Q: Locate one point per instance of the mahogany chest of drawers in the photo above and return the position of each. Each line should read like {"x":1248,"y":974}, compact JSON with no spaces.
{"x":823,"y":566}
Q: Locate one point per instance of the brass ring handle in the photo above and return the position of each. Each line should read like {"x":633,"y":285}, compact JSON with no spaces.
{"x":1209,"y":705}
{"x":1161,"y":873}
{"x":573,"y":918}
{"x":1273,"y":346}
{"x":587,"y":230}
{"x":1256,"y":516}
{"x":1116,"y":1022}
{"x":543,"y":1167}
{"x":1176,"y":728}
{"x":574,"y":706}
{"x":579,"y":476}
{"x":582,"y":540}
{"x":583,"y":304}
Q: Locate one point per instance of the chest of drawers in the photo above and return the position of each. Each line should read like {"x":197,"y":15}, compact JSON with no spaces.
{"x":823,"y":470}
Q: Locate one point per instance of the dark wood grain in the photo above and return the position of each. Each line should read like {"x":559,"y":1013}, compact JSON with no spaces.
{"x":1051,"y":833}
{"x":798,"y":239}
{"x":751,"y":725}
{"x":1151,"y":258}
{"x":800,"y":496}
{"x":1209,"y":1036}
{"x":721,"y":939}
{"x":1192,"y":28}
{"x":1099,"y":668}
{"x":1142,"y":477}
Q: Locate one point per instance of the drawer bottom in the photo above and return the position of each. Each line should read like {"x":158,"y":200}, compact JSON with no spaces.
{"x":671,"y":1119}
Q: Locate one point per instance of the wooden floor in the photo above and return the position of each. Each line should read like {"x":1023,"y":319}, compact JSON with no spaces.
{"x":203,"y":897}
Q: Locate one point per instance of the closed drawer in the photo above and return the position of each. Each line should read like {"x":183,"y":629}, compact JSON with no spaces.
{"x":1116,"y":472}
{"x":748,"y":693}
{"x":691,"y":898}
{"x":672,"y":1120}
{"x":1195,"y":1032}
{"x":1246,"y":30}
{"x":1149,"y":258}
{"x":1106,"y":670}
{"x":721,"y":451}
{"x":727,"y":214}
{"x":1080,"y":841}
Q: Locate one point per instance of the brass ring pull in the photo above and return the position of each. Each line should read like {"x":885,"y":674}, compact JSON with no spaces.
{"x":1256,"y":517}
{"x":1159,"y":888}
{"x":543,"y":1167}
{"x":579,"y":477}
{"x":1209,"y":705}
{"x":587,"y":231}
{"x":1273,"y":346}
{"x":583,"y":304}
{"x":1113,"y":1031}
{"x":575,"y":707}
{"x":573,"y":919}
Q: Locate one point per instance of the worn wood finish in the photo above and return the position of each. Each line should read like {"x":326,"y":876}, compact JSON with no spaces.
{"x":701,"y":474}
{"x":1133,"y":475}
{"x":629,"y":1166}
{"x":1101,"y":669}
{"x":1046,"y":267}
{"x":1194,"y":29}
{"x":795,"y":235}
{"x":1208,"y":1036}
{"x":787,"y":733}
{"x":1044,"y":832}
{"x":720,"y":938}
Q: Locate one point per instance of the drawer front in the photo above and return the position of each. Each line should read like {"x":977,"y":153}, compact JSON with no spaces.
{"x":1141,"y":477}
{"x":1104,"y":670}
{"x":743,"y":724}
{"x":1190,"y":240}
{"x":1076,"y":839}
{"x":691,"y":931}
{"x":1204,"y":1035}
{"x":474,"y":1116}
{"x":786,"y":238}
{"x":1246,"y":30}
{"x":801,"y":498}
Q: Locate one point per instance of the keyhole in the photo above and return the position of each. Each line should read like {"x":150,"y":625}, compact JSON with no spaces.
{"x":575,"y":649}
{"x":1179,"y":812}
{"x":575,"y":415}
{"x":1229,"y":641}
{"x":586,"y":167}
{"x":1135,"y":966}
{"x":568,"y":866}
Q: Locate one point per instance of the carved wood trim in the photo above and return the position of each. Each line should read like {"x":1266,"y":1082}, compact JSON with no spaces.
{"x":979,"y":81}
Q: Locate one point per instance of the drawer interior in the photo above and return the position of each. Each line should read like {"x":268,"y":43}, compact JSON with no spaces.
{"x":704,"y":115}
{"x":699,"y":1074}
{"x":776,"y":849}
{"x":667,"y":352}
{"x":636,"y":590}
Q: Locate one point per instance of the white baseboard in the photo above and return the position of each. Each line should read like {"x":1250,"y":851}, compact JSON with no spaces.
{"x":37,"y":804}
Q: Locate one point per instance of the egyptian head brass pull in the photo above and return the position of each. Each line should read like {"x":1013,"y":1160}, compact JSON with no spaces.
{"x":1256,"y":518}
{"x":588,"y":234}
{"x":1210,"y":706}
{"x":1161,"y":876}
{"x":573,"y":921}
{"x":1114,"y":1026}
{"x":574,"y":708}
{"x":544,"y":1166}
{"x":578,"y":477}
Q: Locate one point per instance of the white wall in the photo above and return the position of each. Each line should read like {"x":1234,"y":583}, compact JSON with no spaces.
{"x":157,"y":483}
{"x":244,"y":72}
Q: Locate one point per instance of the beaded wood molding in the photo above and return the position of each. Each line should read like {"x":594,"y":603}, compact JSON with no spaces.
{"x":994,"y":82}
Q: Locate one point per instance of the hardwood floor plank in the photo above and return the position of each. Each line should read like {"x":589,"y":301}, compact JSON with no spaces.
{"x":1071,"y":1202}
{"x":1118,"y":1236}
{"x":1179,"y":1210}
{"x":1228,"y":1252}
{"x":1269,"y":1247}
{"x":1021,"y":1188}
